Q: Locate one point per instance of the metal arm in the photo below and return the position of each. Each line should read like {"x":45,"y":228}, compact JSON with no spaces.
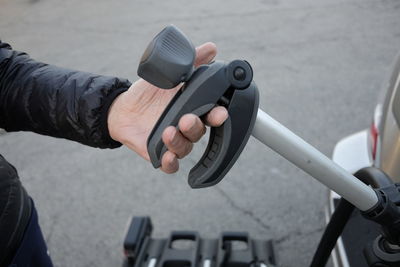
{"x":309,"y":159}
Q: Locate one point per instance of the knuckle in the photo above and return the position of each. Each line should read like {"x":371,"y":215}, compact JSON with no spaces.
{"x":169,"y":163}
{"x":185,"y":150}
{"x":189,"y":148}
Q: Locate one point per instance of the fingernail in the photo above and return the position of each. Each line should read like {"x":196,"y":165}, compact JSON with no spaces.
{"x":173,"y":165}
{"x":225,"y":114}
{"x":174,"y":139}
{"x":192,"y":124}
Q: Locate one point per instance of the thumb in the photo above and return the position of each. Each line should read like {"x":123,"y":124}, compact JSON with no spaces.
{"x":205,"y":53}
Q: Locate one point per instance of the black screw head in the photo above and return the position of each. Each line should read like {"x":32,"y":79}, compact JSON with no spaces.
{"x":239,"y":73}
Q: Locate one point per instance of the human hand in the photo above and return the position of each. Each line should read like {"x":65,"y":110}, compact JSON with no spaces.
{"x":134,"y":113}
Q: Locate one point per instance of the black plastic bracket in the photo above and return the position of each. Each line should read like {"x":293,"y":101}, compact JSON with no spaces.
{"x":188,"y":249}
{"x":378,"y":254}
{"x":387,"y":212}
{"x":385,"y":250}
{"x":139,"y":230}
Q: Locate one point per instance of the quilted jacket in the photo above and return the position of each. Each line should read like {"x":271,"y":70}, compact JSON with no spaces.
{"x":48,"y":100}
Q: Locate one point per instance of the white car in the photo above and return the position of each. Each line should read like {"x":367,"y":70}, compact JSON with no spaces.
{"x":378,"y":146}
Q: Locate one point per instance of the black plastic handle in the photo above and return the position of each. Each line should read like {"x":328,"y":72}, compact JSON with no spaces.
{"x":220,"y":83}
{"x":227,"y":141}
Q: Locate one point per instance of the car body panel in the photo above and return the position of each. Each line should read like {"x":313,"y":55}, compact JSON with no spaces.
{"x":389,"y":152}
{"x":352,"y":153}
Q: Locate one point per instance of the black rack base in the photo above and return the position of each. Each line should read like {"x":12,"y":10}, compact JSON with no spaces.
{"x":188,"y":249}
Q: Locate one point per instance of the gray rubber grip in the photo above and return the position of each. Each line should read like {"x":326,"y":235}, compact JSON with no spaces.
{"x":168,"y":59}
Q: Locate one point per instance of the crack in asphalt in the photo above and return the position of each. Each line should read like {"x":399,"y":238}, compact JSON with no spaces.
{"x":297,"y":233}
{"x":244,"y":211}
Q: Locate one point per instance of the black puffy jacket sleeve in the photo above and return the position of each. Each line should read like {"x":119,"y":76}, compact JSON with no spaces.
{"x":55,"y":101}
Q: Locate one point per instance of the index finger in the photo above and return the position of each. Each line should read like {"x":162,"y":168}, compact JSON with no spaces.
{"x":205,"y":53}
{"x":217,"y":116}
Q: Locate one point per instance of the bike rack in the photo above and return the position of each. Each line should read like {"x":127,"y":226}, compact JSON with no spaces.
{"x":168,"y":62}
{"x":188,"y":249}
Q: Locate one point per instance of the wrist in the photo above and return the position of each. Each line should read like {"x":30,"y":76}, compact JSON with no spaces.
{"x":104,"y":127}
{"x":112,"y":117}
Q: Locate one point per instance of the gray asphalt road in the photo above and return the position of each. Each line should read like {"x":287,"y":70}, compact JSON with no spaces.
{"x":319,"y":66}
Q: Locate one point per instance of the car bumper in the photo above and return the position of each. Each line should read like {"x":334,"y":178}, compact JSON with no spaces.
{"x":351,"y":153}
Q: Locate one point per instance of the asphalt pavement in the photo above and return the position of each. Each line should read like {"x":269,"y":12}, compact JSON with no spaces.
{"x":319,"y":66}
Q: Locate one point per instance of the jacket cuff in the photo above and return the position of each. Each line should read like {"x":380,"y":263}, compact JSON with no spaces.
{"x":104,"y":116}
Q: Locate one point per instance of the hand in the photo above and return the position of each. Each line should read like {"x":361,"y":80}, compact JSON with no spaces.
{"x":134,"y":113}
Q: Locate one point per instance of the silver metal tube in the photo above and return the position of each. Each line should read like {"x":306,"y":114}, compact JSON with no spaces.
{"x":207,"y":263}
{"x":152,"y":262}
{"x":309,"y":159}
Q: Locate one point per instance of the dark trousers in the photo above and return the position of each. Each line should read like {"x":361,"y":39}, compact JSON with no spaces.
{"x":32,"y":251}
{"x":21,"y":240}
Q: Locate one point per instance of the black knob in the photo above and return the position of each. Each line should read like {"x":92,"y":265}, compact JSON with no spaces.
{"x":168,"y":59}
{"x":239,"y":74}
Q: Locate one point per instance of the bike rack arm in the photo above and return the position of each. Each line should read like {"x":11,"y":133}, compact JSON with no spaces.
{"x":309,"y":159}
{"x":168,"y":61}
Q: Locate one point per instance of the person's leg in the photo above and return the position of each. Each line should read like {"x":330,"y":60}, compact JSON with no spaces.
{"x":18,"y":221}
{"x":32,"y":250}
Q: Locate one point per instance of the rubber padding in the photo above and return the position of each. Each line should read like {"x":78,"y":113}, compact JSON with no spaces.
{"x":168,"y":59}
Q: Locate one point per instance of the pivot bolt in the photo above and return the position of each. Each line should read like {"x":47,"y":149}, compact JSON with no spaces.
{"x":239,"y":73}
